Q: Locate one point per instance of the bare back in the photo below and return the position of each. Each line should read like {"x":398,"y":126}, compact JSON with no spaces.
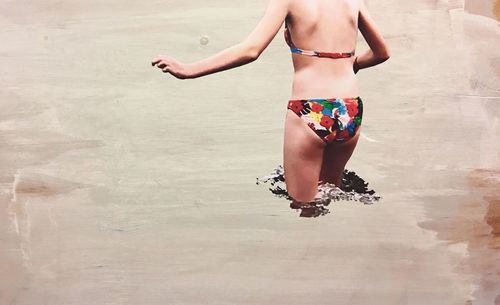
{"x":327,"y":26}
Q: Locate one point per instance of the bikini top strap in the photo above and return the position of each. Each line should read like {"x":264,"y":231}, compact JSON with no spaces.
{"x":294,"y":49}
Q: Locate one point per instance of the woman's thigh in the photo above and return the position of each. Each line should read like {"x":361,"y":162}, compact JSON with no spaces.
{"x":302,"y":158}
{"x":335,"y":158}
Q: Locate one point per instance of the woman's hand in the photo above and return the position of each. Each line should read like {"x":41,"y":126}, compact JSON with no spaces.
{"x":355,"y":65}
{"x":169,"y":65}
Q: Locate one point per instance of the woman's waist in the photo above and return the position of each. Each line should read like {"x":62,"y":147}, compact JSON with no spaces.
{"x":307,"y":85}
{"x":325,"y":72}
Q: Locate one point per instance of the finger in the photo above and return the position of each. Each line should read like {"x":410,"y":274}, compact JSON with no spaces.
{"x":156,"y":60}
{"x":162,"y":64}
{"x":166,"y":69}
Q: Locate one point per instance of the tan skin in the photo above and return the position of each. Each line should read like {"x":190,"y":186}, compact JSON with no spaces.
{"x":320,"y":25}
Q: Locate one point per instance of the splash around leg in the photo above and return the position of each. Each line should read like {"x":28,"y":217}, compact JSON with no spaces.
{"x":351,"y":188}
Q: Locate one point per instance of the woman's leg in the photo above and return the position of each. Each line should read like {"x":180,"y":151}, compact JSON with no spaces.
{"x":302,"y":158}
{"x":335,"y":158}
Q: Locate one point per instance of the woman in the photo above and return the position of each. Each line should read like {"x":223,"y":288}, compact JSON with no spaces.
{"x":324,"y":113}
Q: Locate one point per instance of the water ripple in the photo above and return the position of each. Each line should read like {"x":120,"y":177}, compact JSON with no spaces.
{"x":353,"y":188}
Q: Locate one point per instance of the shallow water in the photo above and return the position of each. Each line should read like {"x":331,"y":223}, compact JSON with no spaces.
{"x":353,"y":188}
{"x":120,"y":185}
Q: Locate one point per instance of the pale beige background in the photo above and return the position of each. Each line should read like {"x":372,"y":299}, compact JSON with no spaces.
{"x":121,"y":185}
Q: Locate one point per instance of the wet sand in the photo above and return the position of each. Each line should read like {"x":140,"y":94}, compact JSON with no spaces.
{"x":120,"y":185}
{"x":488,"y":8}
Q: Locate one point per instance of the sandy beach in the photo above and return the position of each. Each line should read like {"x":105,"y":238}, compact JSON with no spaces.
{"x":123,"y":185}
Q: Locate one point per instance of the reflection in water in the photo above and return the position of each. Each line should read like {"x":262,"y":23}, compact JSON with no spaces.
{"x":353,"y":188}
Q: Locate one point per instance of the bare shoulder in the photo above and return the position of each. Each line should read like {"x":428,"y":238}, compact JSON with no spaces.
{"x":282,"y":2}
{"x":285,"y":3}
{"x":371,"y":32}
{"x":268,"y":26}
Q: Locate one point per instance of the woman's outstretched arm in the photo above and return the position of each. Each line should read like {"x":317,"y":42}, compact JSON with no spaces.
{"x":240,"y":54}
{"x":379,"y":51}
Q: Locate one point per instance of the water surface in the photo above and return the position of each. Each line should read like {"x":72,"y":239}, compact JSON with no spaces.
{"x":121,"y":185}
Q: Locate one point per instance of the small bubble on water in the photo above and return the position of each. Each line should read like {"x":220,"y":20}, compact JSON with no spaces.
{"x":204,"y":40}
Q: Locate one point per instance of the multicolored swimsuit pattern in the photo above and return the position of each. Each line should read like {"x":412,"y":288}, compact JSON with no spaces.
{"x":332,"y":119}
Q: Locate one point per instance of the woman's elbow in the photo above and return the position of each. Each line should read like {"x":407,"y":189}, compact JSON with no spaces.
{"x":250,"y":51}
{"x":253,"y":53}
{"x":385,"y":55}
{"x":252,"y":56}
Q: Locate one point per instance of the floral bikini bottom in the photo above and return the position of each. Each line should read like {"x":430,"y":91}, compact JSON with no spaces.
{"x":332,"y":119}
